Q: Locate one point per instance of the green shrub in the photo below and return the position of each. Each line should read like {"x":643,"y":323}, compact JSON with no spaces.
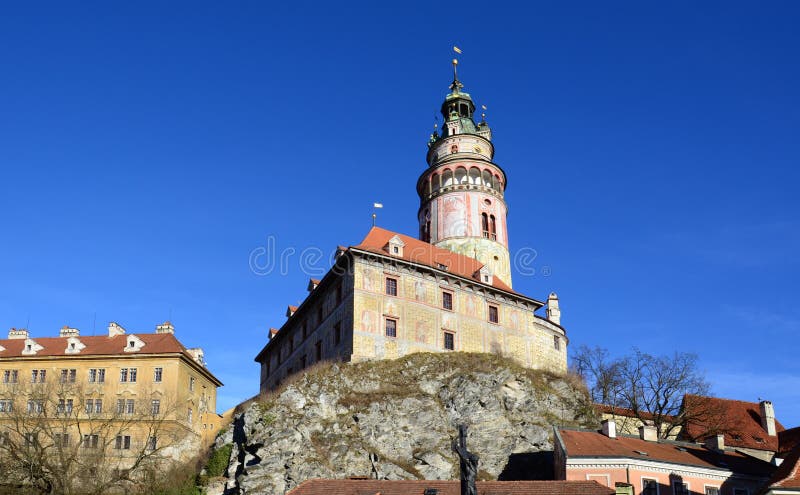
{"x":218,"y":461}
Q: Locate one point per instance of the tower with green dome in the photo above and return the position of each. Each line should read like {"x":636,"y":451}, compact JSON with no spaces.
{"x":462,"y":205}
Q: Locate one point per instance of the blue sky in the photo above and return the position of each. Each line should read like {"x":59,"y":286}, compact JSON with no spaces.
{"x":148,"y":148}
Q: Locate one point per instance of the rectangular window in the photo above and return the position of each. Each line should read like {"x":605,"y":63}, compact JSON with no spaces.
{"x":449,"y":341}
{"x":132,"y":375}
{"x":189,"y":416}
{"x":494,"y":316}
{"x":447,"y":301}
{"x":712,"y":490}
{"x":556,"y":342}
{"x":337,"y":333}
{"x":157,"y":374}
{"x":123,"y":375}
{"x":34,"y":376}
{"x":152,"y":443}
{"x":14,"y":376}
{"x":98,"y":406}
{"x":391,"y":286}
{"x":93,"y":375}
{"x":649,"y":487}
{"x":73,"y":374}
{"x":391,"y":327}
{"x":101,"y":375}
{"x":155,"y":407}
{"x":6,"y":406}
{"x":35,"y":406}
{"x":61,"y":439}
{"x":89,"y":406}
{"x":90,"y":441}
{"x":129,"y":406}
{"x":64,"y":376}
{"x":122,"y":442}
{"x":680,"y":488}
{"x":120,"y":406}
{"x":6,"y":376}
{"x":191,"y":384}
{"x":64,"y":406}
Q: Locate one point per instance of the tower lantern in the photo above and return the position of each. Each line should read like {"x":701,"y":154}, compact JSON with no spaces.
{"x":462,"y":205}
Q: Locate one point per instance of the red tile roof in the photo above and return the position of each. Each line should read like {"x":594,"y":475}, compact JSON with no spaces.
{"x":154,"y":343}
{"x":447,"y":487}
{"x":101,"y":345}
{"x":788,"y":440}
{"x":740,"y":421}
{"x":423,"y":253}
{"x":788,"y":474}
{"x":592,"y":444}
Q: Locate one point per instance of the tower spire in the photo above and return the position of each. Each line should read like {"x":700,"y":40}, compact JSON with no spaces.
{"x":456,"y":85}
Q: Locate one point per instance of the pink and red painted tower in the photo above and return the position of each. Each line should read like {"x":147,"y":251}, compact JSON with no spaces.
{"x":461,"y":192}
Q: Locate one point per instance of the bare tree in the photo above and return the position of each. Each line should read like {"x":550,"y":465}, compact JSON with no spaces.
{"x":651,"y":387}
{"x":60,"y":438}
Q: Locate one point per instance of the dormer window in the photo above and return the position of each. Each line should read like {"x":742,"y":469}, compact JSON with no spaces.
{"x":72,"y":345}
{"x":29,"y":347}
{"x":131,"y":344}
{"x":395,"y":246}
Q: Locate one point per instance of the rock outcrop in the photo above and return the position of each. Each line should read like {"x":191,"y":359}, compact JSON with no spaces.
{"x":396,"y":420}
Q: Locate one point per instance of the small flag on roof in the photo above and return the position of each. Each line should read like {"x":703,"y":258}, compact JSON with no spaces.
{"x":456,"y":49}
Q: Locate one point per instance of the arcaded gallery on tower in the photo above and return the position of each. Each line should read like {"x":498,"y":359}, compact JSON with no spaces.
{"x":449,"y":290}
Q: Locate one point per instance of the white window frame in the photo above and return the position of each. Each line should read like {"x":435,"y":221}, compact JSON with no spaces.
{"x":658,"y":485}
{"x":589,"y":477}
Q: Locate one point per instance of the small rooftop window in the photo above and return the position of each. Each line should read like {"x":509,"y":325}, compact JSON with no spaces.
{"x":758,"y":439}
{"x":131,"y":343}
{"x":640,"y":452}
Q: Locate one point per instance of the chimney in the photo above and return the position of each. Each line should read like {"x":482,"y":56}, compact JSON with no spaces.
{"x":197,"y":355}
{"x":768,"y":417}
{"x":68,"y":332}
{"x":165,"y":327}
{"x":18,"y":333}
{"x":609,"y":428}
{"x":623,"y":488}
{"x":716,"y":443}
{"x":648,"y":433}
{"x":553,"y":311}
{"x":114,"y":330}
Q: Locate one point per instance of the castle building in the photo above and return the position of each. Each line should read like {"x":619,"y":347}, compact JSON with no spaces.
{"x":122,"y":396}
{"x":449,"y":290}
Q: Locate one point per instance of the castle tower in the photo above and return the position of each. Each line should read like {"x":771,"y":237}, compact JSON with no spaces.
{"x":461,"y":192}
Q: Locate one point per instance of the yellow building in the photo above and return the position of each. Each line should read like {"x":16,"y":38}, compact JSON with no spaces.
{"x":119,"y":396}
{"x":449,"y":290}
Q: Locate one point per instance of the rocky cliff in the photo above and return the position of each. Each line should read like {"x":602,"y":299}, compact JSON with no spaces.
{"x":396,"y":420}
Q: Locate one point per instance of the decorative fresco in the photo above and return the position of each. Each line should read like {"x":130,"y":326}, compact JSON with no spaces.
{"x":454,"y":215}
